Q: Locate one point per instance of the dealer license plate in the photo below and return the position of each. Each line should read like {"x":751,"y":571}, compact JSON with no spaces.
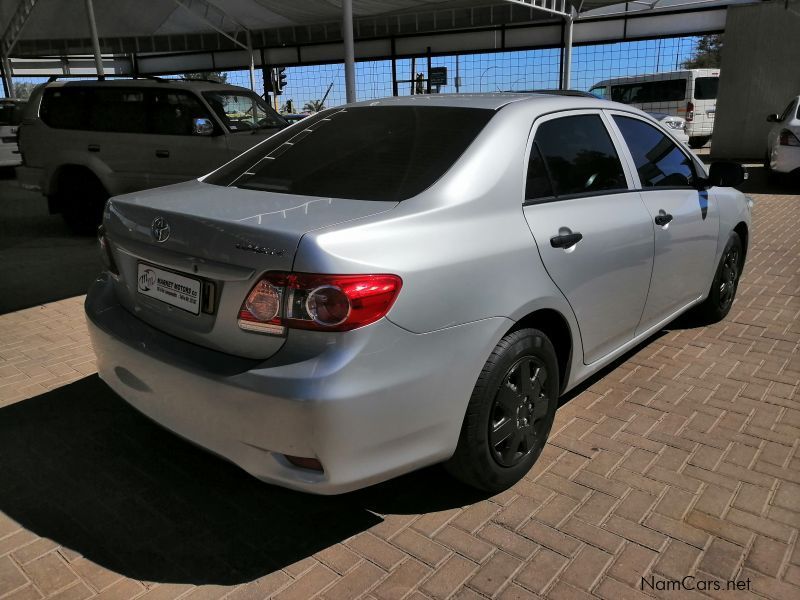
{"x":172,"y":288}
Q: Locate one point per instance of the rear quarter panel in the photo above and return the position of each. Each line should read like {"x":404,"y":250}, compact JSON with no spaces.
{"x":462,"y":247}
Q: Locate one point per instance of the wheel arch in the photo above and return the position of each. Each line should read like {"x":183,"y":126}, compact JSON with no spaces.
{"x":744,"y":234}
{"x":556,"y":327}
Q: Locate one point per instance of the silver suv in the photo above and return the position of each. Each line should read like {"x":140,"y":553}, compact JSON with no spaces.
{"x":409,"y":281}
{"x":83,"y":141}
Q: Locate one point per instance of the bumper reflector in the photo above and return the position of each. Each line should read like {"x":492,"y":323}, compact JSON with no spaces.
{"x":305,"y":463}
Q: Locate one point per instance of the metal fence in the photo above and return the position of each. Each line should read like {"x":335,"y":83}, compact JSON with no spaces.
{"x":307,"y":86}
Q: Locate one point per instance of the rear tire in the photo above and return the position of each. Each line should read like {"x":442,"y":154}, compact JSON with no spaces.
{"x":510,"y":413}
{"x":81,"y":199}
{"x":726,"y":281}
{"x":698,"y":141}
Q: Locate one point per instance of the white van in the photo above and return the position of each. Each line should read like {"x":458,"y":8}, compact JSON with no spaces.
{"x":10,"y":117}
{"x":691,"y":94}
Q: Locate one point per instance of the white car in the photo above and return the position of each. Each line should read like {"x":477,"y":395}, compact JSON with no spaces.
{"x":783,"y":141}
{"x":675,"y":125}
{"x":10,"y":116}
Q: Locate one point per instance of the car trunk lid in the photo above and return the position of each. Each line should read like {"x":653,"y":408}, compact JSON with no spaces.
{"x":215,"y":242}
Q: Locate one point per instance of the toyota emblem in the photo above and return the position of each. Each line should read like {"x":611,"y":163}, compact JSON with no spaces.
{"x":160,"y":229}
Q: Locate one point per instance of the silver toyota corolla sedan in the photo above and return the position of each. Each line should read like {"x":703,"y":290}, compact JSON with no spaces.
{"x":409,"y":281}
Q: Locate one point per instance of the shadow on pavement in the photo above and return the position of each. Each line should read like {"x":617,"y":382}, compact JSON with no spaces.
{"x":757,"y":183}
{"x":80,"y":467}
{"x":41,"y":260}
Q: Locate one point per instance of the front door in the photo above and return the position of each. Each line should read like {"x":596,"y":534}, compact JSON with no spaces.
{"x":593,"y":234}
{"x":175,"y":152}
{"x":685,"y":219}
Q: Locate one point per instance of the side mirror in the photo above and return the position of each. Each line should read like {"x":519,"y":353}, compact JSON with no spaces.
{"x":773,"y":118}
{"x":726,"y":174}
{"x":202,"y":126}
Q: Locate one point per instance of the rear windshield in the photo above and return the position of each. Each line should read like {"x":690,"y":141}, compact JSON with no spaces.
{"x":365,"y":153}
{"x":705,"y":88}
{"x":10,"y":113}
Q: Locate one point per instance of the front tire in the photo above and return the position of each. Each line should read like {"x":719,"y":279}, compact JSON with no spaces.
{"x":510,"y":413}
{"x":726,"y":281}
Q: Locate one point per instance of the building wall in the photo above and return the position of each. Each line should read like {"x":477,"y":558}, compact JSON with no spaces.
{"x":760,"y":72}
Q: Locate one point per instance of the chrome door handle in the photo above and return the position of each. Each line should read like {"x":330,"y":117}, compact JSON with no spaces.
{"x":565,"y":241}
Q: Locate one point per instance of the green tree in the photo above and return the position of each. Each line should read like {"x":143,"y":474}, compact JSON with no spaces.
{"x":707,"y":54}
{"x":313,"y":106}
{"x":23,"y":89}
{"x":218,"y":76}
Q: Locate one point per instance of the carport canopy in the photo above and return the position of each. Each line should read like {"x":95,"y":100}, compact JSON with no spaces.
{"x":100,"y":20}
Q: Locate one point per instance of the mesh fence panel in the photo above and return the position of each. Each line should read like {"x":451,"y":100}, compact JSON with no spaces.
{"x":308,"y":86}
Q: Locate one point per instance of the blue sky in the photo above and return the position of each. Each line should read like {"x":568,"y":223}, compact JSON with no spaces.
{"x":517,"y":70}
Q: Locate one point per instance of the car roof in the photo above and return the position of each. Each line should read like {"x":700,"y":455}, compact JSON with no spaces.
{"x":491,"y":101}
{"x":151,"y":82}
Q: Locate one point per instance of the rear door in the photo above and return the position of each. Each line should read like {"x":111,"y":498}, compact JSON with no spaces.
{"x":592,"y":232}
{"x":704,"y":99}
{"x":685,"y":219}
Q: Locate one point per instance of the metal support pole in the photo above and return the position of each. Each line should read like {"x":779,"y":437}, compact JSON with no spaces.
{"x":395,"y":91}
{"x":6,"y":73}
{"x":252,"y":63}
{"x":98,"y":58}
{"x":566,"y":51}
{"x":428,"y":82}
{"x":349,"y":50}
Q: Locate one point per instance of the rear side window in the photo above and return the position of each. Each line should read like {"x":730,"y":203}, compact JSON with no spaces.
{"x":599,"y":92}
{"x":658,"y":159}
{"x":578,"y":156}
{"x":117,"y":110}
{"x":663,"y":90}
{"x":66,"y":108}
{"x":705,"y":88}
{"x":121,"y":110}
{"x":365,"y":153}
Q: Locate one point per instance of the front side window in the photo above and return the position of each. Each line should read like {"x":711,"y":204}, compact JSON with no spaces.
{"x":365,"y":153}
{"x":243,"y":111}
{"x":705,"y":88}
{"x":577,"y":155}
{"x":658,"y":159}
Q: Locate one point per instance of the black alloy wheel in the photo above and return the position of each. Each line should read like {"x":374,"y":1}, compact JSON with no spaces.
{"x":519,"y":411}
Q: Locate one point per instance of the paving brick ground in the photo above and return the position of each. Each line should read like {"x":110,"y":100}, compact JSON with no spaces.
{"x":682,"y":459}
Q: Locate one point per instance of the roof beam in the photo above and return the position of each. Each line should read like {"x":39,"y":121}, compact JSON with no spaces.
{"x":560,"y":8}
{"x":15,"y":25}
{"x":214,"y":17}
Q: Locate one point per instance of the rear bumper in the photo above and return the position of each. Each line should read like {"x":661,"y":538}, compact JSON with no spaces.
{"x":370,"y":404}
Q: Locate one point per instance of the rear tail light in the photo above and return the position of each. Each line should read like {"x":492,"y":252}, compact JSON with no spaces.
{"x":317,"y":302}
{"x":690,"y":111}
{"x":787,"y":138}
